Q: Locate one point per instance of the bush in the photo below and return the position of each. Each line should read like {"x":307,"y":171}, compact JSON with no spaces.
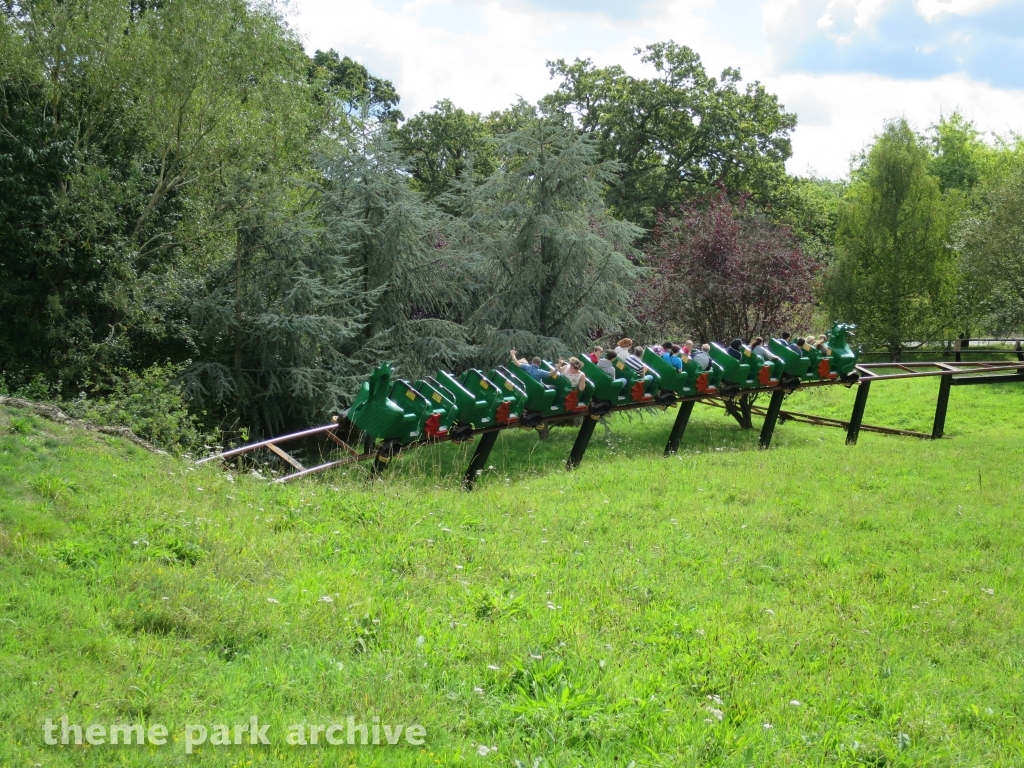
{"x":151,"y":404}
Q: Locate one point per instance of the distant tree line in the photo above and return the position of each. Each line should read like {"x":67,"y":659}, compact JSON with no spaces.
{"x":185,"y":193}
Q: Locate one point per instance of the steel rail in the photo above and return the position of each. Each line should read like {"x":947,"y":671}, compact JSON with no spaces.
{"x":272,"y":441}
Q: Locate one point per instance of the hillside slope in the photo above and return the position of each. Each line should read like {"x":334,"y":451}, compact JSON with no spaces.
{"x":813,"y":604}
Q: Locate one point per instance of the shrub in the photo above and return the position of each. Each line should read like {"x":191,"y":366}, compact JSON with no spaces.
{"x":151,"y":404}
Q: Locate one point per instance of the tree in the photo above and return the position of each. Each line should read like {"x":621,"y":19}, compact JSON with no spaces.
{"x":677,"y":135}
{"x":356,"y":88}
{"x":274,"y":317}
{"x":551,"y":266}
{"x":723,"y":271}
{"x":958,"y":154}
{"x":441,"y":145}
{"x":992,"y":244}
{"x":118,"y":122}
{"x":893,"y":274}
{"x":397,"y":245}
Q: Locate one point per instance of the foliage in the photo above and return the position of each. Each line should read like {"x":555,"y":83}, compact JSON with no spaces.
{"x":992,"y":243}
{"x":395,"y":244}
{"x":116,"y":118}
{"x":894,"y":273}
{"x":723,"y":271}
{"x":678,"y":134}
{"x":351,"y":83}
{"x":958,"y":154}
{"x":550,"y":264}
{"x":441,"y":145}
{"x":152,"y":404}
{"x":275,"y":317}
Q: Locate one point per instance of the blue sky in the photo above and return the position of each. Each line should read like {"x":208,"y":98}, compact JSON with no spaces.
{"x":844,"y":66}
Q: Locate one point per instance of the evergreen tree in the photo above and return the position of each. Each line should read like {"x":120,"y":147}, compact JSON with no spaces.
{"x":397,"y":246}
{"x":552,"y":267}
{"x":275,"y":316}
{"x":893,"y":273}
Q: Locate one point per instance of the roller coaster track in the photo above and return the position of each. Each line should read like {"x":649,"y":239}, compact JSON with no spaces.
{"x":951,"y":374}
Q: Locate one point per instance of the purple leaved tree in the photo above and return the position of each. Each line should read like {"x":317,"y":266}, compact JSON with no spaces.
{"x":721,"y":271}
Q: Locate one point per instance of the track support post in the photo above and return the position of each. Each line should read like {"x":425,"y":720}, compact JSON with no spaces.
{"x":679,"y":427}
{"x":945,"y":382}
{"x":771,"y":416}
{"x":483,"y":452}
{"x":582,"y":441}
{"x":853,"y":431}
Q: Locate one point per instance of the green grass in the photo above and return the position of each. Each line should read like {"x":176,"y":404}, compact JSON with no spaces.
{"x":662,"y":612}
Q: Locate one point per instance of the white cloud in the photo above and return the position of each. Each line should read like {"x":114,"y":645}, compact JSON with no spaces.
{"x":847,"y":110}
{"x":484,"y":55}
{"x":931,"y":9}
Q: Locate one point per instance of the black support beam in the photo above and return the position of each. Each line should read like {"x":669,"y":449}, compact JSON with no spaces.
{"x":941,"y":405}
{"x":771,"y":416}
{"x":579,"y":448}
{"x":476,"y":466}
{"x":853,"y":431}
{"x":679,"y":427}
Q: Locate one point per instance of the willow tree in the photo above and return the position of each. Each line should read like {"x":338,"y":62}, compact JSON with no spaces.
{"x":552,"y":266}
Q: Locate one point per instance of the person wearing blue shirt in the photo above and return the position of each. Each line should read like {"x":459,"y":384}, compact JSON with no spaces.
{"x":531,"y":367}
{"x":671,"y":355}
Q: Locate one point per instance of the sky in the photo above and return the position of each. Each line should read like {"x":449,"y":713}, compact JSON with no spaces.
{"x":843,"y":66}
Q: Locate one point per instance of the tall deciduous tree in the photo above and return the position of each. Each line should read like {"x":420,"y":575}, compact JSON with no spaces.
{"x":677,"y":134}
{"x":893,"y":275}
{"x":119,"y":122}
{"x":723,"y":271}
{"x":992,"y":243}
{"x":442,"y":144}
{"x":551,"y":265}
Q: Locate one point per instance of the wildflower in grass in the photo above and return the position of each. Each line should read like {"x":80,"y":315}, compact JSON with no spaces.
{"x":272,"y":600}
{"x":794,"y":703}
{"x":493,"y":667}
{"x":326,"y":599}
{"x":536,"y":657}
{"x":988,"y":591}
{"x":478,"y":690}
{"x":601,"y":664}
{"x":767,"y":726}
{"x":715,"y":698}
{"x":458,"y":567}
{"x":716,"y":713}
{"x":483,"y":750}
{"x":421,"y":640}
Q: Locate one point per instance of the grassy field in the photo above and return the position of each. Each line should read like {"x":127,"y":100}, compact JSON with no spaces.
{"x":815,"y":604}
